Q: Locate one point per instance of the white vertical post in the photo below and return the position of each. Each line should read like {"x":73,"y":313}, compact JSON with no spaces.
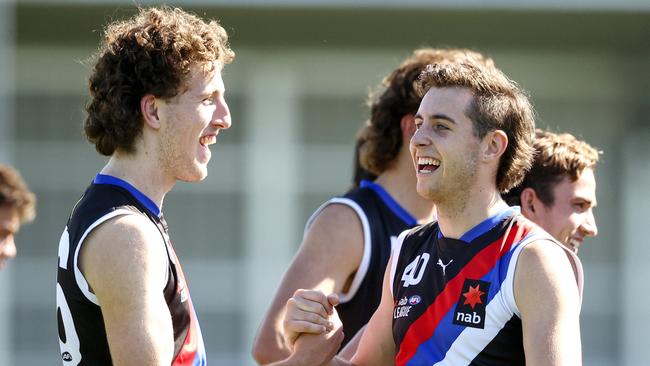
{"x":7,"y":82}
{"x":6,"y":156}
{"x":270,"y":175}
{"x":635,"y":248}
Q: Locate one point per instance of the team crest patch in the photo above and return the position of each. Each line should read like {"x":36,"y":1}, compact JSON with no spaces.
{"x":414,"y":300}
{"x":470,"y":309}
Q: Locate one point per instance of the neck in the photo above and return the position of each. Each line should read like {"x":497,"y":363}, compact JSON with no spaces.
{"x":458,"y":216}
{"x":400,"y":182}
{"x":141,"y":172}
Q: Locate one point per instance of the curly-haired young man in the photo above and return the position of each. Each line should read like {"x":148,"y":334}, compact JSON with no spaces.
{"x":156,"y":105}
{"x":482,"y":285}
{"x":559,"y":191}
{"x":17,"y":206}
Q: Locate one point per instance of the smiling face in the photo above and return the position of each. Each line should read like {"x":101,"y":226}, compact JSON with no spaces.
{"x":9,"y":226}
{"x":190,"y":122}
{"x":444,"y":147}
{"x":570,"y":218}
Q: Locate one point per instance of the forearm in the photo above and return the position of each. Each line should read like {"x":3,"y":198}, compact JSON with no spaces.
{"x":351,"y":348}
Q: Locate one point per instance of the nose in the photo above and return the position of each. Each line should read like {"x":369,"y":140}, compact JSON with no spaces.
{"x":221,"y":117}
{"x":589,"y":227}
{"x":419,"y":138}
{"x":8,"y":248}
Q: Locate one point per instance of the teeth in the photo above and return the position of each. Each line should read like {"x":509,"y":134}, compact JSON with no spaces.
{"x":574,"y":243}
{"x":428,"y":161}
{"x":208,"y":140}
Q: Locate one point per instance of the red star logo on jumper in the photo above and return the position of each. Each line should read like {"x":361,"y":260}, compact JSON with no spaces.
{"x":473,"y":296}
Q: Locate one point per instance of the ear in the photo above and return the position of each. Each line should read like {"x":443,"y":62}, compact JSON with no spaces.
{"x":149,"y":107}
{"x":495,"y":144}
{"x":407,"y":125}
{"x":529,"y":203}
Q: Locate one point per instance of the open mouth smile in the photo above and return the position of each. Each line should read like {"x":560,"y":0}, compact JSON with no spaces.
{"x":208,"y":140}
{"x":427,"y":165}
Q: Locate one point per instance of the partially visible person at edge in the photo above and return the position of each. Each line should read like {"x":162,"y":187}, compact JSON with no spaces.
{"x":483,"y":285}
{"x":156,"y":105}
{"x":17,"y":207}
{"x":559,"y":191}
{"x":348,"y":239}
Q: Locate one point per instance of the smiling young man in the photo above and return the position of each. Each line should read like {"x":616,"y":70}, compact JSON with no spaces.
{"x":482,"y":285}
{"x":17,"y":206}
{"x":559,"y":191}
{"x":348,"y":240}
{"x":157,"y":103}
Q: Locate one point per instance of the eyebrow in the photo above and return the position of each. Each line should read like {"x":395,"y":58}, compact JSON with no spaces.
{"x":437,"y":116}
{"x":209,"y":93}
{"x":206,"y":94}
{"x":592,"y":203}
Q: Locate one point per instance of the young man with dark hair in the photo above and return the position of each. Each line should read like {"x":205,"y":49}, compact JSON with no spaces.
{"x":482,"y":285}
{"x":348,"y":240}
{"x":17,"y":207}
{"x":559,"y":191}
{"x":156,"y":105}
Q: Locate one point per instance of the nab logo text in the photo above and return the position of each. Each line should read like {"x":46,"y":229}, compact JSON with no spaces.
{"x":472,"y":318}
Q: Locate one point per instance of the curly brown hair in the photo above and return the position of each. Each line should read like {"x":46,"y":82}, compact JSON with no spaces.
{"x":556,"y":156}
{"x":151,"y":53}
{"x":498,"y":104}
{"x":15,"y":194}
{"x":380,"y":138}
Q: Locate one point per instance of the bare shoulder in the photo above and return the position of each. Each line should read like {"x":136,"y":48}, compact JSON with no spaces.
{"x":544,"y":256}
{"x":544,"y":274}
{"x":130,"y":236}
{"x":337,"y":226}
{"x":124,"y":247}
{"x":337,"y":216}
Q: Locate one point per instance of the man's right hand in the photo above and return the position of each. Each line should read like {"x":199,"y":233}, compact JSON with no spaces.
{"x":311,"y":312}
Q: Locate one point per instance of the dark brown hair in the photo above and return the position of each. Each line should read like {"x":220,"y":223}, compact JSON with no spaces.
{"x":556,"y":156}
{"x":15,"y":194}
{"x":380,"y":138}
{"x":151,"y":53}
{"x":498,"y":104}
